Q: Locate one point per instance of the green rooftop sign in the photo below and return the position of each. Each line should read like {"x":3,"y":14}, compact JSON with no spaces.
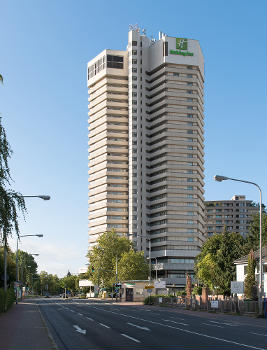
{"x":181,"y":43}
{"x":181,"y":48}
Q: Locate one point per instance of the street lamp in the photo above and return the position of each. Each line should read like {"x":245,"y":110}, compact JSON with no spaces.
{"x":221,"y":178}
{"x":17,"y":269}
{"x":42,"y":196}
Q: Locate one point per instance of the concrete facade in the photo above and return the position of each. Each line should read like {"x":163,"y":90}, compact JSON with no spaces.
{"x":235,"y":214}
{"x":146,"y":149}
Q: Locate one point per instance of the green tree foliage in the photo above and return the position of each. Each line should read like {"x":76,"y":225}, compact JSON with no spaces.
{"x":214,"y":265}
{"x":70,"y":282}
{"x":133,"y":266}
{"x":102,"y":258}
{"x":10,"y":200}
{"x":11,"y":266}
{"x":47,"y":283}
{"x":252,"y":240}
{"x":250,"y":281}
{"x":27,"y":268}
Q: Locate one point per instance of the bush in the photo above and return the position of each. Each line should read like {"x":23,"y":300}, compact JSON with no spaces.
{"x":7,"y":299}
{"x":150,"y":300}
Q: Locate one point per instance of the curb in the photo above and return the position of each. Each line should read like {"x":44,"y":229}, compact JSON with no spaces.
{"x":49,"y":334}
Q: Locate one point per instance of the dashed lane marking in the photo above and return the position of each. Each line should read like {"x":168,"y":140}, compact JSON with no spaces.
{"x":212,"y":325}
{"x":140,"y":327}
{"x":127,"y":336}
{"x":104,"y":325}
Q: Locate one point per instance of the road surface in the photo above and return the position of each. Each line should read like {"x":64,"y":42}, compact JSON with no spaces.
{"x":92,"y":325}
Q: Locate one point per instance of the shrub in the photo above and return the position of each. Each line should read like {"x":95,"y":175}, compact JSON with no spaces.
{"x":7,"y":299}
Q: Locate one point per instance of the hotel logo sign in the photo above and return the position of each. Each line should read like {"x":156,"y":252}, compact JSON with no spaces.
{"x":181,"y":44}
{"x":181,"y":48}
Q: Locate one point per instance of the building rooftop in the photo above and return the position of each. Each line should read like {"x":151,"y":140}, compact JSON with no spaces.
{"x":244,"y":259}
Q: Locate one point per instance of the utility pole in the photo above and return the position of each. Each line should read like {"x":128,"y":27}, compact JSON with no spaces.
{"x":116,"y":277}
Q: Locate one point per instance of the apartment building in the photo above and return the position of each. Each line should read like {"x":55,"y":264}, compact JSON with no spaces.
{"x":146,"y":149}
{"x":235,"y":215}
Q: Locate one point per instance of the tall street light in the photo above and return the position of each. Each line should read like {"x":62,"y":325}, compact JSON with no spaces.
{"x":17,"y":268}
{"x":42,"y":196}
{"x":221,"y":178}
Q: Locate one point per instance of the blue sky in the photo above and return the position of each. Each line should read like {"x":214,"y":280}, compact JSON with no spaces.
{"x":45,"y":46}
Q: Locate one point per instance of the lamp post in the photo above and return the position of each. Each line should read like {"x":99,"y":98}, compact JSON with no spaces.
{"x":17,"y":268}
{"x":221,"y":178}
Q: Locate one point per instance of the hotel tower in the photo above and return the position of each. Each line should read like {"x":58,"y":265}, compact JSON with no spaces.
{"x":146,"y":158}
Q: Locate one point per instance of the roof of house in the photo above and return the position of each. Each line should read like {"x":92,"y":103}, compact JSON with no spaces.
{"x":244,"y":259}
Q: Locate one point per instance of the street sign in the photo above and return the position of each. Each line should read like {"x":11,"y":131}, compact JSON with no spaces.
{"x":237,"y":287}
{"x":160,"y":284}
{"x":149,"y":286}
{"x":214,"y":304}
{"x":149,"y":291}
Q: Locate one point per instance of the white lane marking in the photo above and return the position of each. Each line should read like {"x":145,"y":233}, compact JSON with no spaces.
{"x":71,"y":311}
{"x":127,"y":336}
{"x":212,"y":325}
{"x":226,"y":323}
{"x":80,"y":314}
{"x":78,"y":329}
{"x":89,"y":318}
{"x":264,"y":335}
{"x":140,"y":327}
{"x":102,"y":324}
{"x":191,"y":332}
{"x":183,"y":324}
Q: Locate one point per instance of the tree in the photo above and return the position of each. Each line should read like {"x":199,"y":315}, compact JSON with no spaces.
{"x":133,"y":266}
{"x":27,"y":267}
{"x":253,"y":239}
{"x":70,"y":282}
{"x":250,"y":281}
{"x":11,"y":266}
{"x":10,"y":201}
{"x":215,"y":264}
{"x":103,"y":256}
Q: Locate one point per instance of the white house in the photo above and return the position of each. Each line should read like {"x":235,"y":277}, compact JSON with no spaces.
{"x":242,"y":264}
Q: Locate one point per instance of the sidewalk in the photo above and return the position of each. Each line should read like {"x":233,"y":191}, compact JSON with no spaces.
{"x":23,"y":328}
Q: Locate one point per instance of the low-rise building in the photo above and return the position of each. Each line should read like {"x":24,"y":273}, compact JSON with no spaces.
{"x":242,"y":265}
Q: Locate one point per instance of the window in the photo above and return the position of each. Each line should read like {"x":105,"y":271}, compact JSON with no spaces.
{"x":176,"y":74}
{"x":114,"y":61}
{"x":134,"y":61}
{"x":134,"y":43}
{"x":134,"y":52}
{"x":134,"y":70}
{"x":189,"y":76}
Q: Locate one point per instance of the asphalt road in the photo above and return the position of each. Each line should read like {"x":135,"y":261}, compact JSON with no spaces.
{"x":82,"y":324}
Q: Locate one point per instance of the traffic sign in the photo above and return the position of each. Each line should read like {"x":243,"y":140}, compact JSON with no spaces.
{"x":149,"y":286}
{"x":149,"y":291}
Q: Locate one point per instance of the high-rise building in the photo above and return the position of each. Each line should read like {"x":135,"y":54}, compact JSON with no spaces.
{"x":234,"y":215}
{"x":146,"y":149}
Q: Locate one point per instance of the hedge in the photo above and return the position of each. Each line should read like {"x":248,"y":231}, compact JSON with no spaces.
{"x":7,"y":299}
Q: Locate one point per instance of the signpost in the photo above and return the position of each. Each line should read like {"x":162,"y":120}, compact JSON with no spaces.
{"x":160,"y":284}
{"x":149,"y":286}
{"x":237,"y":287}
{"x":214,"y":304}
